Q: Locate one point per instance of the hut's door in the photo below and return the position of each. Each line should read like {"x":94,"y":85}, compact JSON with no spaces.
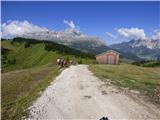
{"x":110,"y":59}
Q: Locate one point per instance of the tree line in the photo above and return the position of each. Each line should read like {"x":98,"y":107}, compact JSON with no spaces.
{"x":52,"y":46}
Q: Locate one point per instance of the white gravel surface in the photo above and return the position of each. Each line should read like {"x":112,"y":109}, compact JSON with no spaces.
{"x":77,"y":94}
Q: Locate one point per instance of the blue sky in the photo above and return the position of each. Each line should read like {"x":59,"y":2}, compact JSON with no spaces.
{"x":93,"y":18}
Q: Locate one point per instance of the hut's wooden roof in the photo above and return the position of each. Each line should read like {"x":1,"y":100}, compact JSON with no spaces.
{"x":107,"y":52}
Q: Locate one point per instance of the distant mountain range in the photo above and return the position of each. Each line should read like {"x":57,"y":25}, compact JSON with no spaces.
{"x":73,"y":37}
{"x":142,"y":48}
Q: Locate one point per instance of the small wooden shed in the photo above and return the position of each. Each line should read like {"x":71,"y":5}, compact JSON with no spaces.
{"x":108,"y":57}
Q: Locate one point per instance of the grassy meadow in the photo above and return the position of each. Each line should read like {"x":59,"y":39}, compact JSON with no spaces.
{"x":21,"y":87}
{"x":144,"y":79}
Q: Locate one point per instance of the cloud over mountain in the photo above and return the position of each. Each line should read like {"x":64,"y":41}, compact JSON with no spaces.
{"x":70,"y":23}
{"x":156,"y":35}
{"x":132,"y":33}
{"x":25,"y":28}
{"x":15,"y":28}
{"x":111,"y":35}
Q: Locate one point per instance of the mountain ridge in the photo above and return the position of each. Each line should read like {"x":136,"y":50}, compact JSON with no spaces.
{"x":144,"y":48}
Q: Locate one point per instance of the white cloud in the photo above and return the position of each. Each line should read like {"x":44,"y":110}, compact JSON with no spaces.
{"x":132,"y":33}
{"x":111,"y":35}
{"x":16,"y":28}
{"x":157,"y":35}
{"x":25,"y":29}
{"x":70,"y":23}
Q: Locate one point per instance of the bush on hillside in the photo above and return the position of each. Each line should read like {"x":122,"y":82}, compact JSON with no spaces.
{"x":12,"y":61}
{"x":27,"y":44}
{"x":80,"y":61}
{"x":4,"y":52}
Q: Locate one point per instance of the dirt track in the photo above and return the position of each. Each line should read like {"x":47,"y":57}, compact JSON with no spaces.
{"x":78,"y":94}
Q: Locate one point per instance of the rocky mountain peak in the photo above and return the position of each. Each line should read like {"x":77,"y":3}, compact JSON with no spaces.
{"x":148,"y":43}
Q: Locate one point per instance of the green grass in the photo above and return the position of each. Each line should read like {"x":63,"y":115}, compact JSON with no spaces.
{"x":146,"y":80}
{"x":32,"y":56}
{"x":21,"y":87}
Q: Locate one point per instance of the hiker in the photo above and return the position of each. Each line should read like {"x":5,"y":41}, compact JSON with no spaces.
{"x":71,"y":62}
{"x":58,"y":61}
{"x":66,"y":62}
{"x":62,"y":62}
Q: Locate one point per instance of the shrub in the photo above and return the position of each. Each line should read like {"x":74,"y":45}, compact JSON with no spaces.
{"x":80,"y":61}
{"x":12,"y":61}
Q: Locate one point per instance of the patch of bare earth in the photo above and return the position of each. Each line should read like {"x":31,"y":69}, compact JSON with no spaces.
{"x":78,"y":94}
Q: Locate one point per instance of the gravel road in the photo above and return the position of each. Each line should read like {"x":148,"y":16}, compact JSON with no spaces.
{"x":77,"y":94}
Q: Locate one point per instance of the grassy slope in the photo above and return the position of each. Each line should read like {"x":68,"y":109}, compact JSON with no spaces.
{"x":146,"y":80}
{"x":21,"y":87}
{"x":35,"y":55}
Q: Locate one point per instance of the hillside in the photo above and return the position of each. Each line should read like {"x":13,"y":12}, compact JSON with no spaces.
{"x":21,"y":53}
